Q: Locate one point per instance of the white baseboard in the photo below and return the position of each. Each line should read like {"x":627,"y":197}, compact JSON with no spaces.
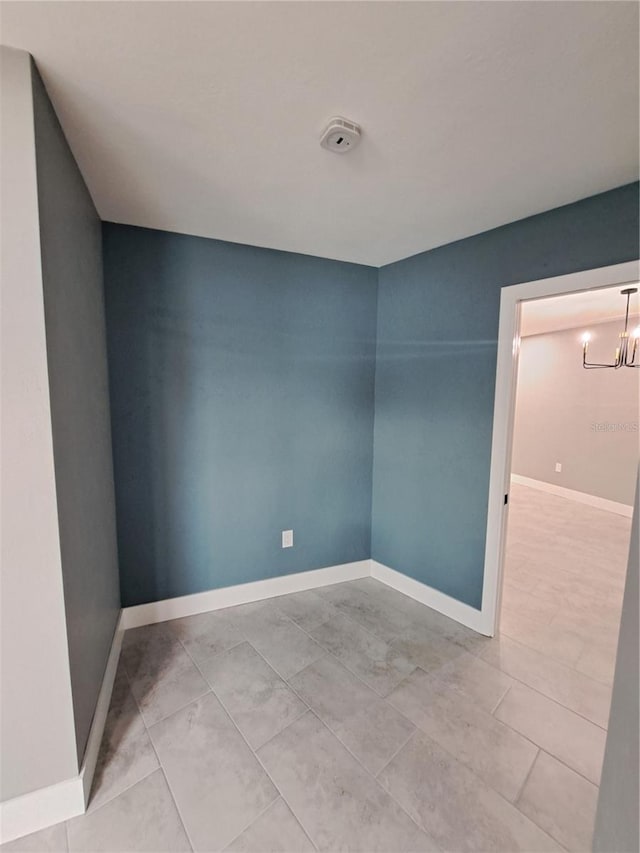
{"x":100,"y":714}
{"x":572,"y":495}
{"x":40,"y":809}
{"x":46,"y":806}
{"x":429,"y":596}
{"x":231,"y":596}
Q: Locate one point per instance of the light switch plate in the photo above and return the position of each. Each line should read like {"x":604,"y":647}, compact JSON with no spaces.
{"x":287,"y":538}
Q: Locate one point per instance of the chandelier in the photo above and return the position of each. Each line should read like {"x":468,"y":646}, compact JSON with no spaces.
{"x":628,"y":347}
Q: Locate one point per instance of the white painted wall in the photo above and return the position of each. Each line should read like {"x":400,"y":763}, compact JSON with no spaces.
{"x":585,"y":419}
{"x":37,"y":727}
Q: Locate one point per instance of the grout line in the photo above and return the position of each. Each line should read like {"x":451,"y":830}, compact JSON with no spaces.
{"x":370,"y":774}
{"x":359,"y":679}
{"x":516,"y":804}
{"x":399,"y":749}
{"x":420,"y":732}
{"x":213,"y":690}
{"x":344,"y":746}
{"x":344,"y":665}
{"x":124,"y":790}
{"x":142,"y":778}
{"x":280,"y":731}
{"x":500,"y":701}
{"x":310,"y":711}
{"x":542,"y":749}
{"x":535,"y":689}
{"x":173,"y":797}
{"x":180,"y":708}
{"x":175,"y":710}
{"x":160,"y":765}
{"x":316,"y":714}
{"x":251,"y":748}
{"x":273,"y":782}
{"x":516,"y":799}
{"x":557,"y":660}
{"x":256,"y":818}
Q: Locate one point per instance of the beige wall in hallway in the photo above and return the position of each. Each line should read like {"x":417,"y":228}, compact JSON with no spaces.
{"x":585,"y":419}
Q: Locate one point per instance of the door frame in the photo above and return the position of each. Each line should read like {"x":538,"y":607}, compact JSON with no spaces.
{"x":511,"y":298}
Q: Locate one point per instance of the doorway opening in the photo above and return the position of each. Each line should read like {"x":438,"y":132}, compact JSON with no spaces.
{"x":565,"y":457}
{"x":531,"y":297}
{"x":573,"y":470}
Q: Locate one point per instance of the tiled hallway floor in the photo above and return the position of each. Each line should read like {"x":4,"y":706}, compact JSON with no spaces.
{"x":353,"y":718}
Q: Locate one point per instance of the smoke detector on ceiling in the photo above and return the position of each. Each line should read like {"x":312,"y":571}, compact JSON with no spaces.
{"x":340,"y":135}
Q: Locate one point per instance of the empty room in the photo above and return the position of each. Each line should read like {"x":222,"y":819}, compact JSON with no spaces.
{"x":320,"y":341}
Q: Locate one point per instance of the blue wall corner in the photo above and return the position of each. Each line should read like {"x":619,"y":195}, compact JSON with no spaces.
{"x":437,"y":337}
{"x":242,"y":385}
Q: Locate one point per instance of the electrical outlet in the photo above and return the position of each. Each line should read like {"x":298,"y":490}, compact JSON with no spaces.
{"x":558,"y":467}
{"x":287,"y":538}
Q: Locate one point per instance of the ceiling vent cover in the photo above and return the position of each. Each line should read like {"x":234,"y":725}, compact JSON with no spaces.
{"x":340,"y":135}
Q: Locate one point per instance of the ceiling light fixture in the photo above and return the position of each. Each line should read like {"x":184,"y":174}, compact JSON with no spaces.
{"x":628,"y":347}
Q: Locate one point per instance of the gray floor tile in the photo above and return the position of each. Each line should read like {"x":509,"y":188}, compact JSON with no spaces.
{"x":143,"y":818}
{"x":587,"y":627}
{"x":355,"y":600}
{"x":529,"y":605}
{"x":141,"y":647}
{"x":370,"y":658}
{"x":275,"y":831}
{"x":126,"y":752}
{"x":454,"y":806}
{"x":258,"y":700}
{"x":561,"y":802}
{"x":50,"y":840}
{"x":598,"y":662}
{"x":218,"y":784}
{"x":285,"y":646}
{"x":574,"y":740}
{"x":551,"y":640}
{"x":207,"y":634}
{"x":572,"y":689}
{"x":426,"y":649}
{"x":339,"y":804}
{"x":307,"y":609}
{"x":367,"y":725}
{"x":416,"y":616}
{"x":163,"y":683}
{"x":495,"y":752}
{"x":475,"y":679}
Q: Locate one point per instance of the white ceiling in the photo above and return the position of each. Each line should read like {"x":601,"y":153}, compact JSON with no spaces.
{"x":204,"y":117}
{"x":579,"y":310}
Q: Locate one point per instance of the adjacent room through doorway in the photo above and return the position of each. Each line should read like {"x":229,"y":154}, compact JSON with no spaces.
{"x":573,"y":466}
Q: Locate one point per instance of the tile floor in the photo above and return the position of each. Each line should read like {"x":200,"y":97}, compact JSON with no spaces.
{"x":352,"y":718}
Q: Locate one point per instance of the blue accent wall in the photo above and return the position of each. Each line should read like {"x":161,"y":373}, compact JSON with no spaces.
{"x":242,"y":394}
{"x":242,"y":384}
{"x":435,"y":376}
